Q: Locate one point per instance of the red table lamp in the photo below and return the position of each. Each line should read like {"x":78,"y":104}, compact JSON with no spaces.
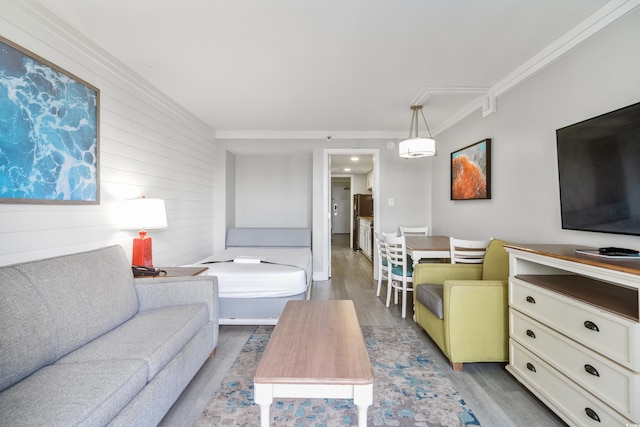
{"x":143,"y":214}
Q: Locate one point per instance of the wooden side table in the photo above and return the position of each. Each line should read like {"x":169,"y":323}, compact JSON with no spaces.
{"x":182,"y":271}
{"x":179,"y":271}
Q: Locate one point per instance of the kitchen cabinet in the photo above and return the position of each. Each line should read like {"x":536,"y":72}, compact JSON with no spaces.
{"x":362,"y":208}
{"x":366,"y":236}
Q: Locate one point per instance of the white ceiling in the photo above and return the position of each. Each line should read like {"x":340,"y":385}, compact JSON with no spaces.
{"x":356,"y":164}
{"x":345,"y":68}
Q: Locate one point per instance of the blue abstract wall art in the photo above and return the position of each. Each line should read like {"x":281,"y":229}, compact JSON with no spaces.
{"x":49,"y":120}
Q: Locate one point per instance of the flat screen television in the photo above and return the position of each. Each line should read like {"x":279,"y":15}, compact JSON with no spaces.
{"x":599,"y":173}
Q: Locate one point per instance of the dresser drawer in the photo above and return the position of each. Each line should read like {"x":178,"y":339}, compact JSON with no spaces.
{"x":617,"y":386}
{"x":607,"y":334}
{"x":570,"y":401}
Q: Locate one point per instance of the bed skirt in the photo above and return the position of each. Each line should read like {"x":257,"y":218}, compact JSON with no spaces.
{"x":263,"y":311}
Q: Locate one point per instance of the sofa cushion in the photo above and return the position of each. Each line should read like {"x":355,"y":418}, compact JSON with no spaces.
{"x":27,"y":335}
{"x":496,"y":261}
{"x":154,"y":336}
{"x":86,"y":294}
{"x":83,"y":394}
{"x":431,"y":296}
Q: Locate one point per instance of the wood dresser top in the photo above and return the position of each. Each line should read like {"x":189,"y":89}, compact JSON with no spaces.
{"x":316,"y":342}
{"x":568,"y":253}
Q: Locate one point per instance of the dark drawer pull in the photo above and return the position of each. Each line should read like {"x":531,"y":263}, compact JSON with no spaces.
{"x":591,"y":370}
{"x":590,"y":325}
{"x":531,"y":367}
{"x":530,"y":333}
{"x":592,"y":414}
{"x":531,"y":299}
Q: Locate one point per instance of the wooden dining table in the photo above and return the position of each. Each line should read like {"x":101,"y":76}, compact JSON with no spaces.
{"x":427,"y":247}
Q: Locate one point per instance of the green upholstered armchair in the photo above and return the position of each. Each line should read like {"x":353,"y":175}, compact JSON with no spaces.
{"x":464,"y":307}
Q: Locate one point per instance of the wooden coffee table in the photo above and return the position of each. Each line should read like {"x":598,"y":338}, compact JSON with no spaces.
{"x":315,"y":351}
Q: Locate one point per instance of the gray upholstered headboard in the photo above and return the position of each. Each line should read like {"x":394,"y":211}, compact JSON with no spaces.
{"x":255,"y":237}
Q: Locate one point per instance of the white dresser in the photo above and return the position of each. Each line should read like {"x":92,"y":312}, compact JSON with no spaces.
{"x":575,"y":333}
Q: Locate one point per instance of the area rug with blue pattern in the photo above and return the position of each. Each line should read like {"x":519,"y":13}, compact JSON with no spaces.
{"x":409,"y":389}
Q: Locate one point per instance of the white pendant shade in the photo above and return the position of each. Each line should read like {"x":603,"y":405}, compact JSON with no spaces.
{"x":417,"y":147}
{"x":414,"y":146}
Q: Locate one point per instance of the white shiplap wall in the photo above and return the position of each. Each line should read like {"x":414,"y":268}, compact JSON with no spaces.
{"x":148,"y":146}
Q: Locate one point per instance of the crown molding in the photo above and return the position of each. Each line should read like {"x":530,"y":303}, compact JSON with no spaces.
{"x":52,"y":28}
{"x":311,"y":134}
{"x":420,"y":99}
{"x":428,"y":92}
{"x":488,"y":99}
{"x":603,"y":17}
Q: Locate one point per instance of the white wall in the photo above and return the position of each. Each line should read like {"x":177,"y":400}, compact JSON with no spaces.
{"x":230,"y":189}
{"x":261,"y":184}
{"x":148,"y":146}
{"x":406,"y":181}
{"x":273,"y":191}
{"x":599,"y":76}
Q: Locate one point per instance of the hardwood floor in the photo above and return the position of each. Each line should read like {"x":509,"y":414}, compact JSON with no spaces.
{"x":495,"y":397}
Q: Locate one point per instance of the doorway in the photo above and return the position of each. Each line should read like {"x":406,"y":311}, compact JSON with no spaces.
{"x":341,"y":154}
{"x":340,"y":204}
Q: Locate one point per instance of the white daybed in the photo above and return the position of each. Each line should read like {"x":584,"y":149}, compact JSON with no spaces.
{"x":261,"y":269}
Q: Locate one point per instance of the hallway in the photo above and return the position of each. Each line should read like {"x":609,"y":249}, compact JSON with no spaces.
{"x":352,"y":278}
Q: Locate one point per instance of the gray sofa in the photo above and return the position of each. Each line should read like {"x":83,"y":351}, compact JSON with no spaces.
{"x":83,"y":343}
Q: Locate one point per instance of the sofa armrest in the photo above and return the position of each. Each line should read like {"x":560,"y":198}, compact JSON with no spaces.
{"x":166,"y":291}
{"x":475,"y":316}
{"x":437,"y":273}
{"x":461,"y":297}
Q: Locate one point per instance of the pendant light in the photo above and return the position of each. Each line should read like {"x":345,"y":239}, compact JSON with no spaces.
{"x":415,"y":146}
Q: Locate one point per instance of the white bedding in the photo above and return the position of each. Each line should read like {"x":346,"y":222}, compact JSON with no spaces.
{"x":282,"y":272}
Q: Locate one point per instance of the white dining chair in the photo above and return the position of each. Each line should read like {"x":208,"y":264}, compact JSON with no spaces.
{"x":467,"y":251}
{"x":383,"y":262}
{"x":414,"y":231}
{"x":401,"y":271}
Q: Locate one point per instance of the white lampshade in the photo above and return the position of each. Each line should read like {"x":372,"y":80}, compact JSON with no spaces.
{"x":414,"y":146}
{"x":417,"y":147}
{"x":143,"y":214}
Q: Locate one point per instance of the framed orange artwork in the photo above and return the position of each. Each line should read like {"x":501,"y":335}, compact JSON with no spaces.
{"x":471,"y":172}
